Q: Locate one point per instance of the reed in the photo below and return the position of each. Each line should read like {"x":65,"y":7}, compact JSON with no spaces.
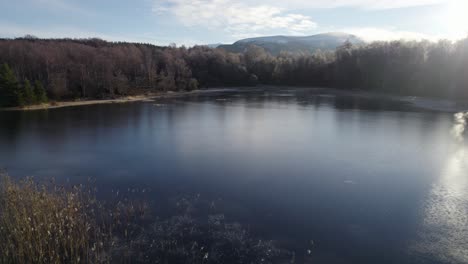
{"x":49,"y":223}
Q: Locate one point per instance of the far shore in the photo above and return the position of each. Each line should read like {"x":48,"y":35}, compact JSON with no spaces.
{"x":123,"y":99}
{"x":427,"y":103}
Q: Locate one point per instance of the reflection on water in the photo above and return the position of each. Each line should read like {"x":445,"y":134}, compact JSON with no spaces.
{"x":444,"y":233}
{"x":459,"y":127}
{"x":348,"y":172}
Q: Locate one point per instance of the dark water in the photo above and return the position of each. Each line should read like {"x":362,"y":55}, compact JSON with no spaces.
{"x":368,"y":180}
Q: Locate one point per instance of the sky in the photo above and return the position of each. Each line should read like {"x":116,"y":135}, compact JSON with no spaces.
{"x":191,"y":22}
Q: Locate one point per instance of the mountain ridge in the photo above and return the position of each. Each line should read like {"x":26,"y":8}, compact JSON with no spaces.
{"x":295,"y":44}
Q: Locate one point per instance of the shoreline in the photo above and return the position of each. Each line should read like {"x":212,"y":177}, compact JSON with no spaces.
{"x":119,"y":100}
{"x":425,"y":103}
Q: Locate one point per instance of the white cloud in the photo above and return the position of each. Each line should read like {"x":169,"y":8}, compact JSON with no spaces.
{"x":364,"y":4}
{"x":236,"y":18}
{"x":373,"y":34}
{"x":242,"y":18}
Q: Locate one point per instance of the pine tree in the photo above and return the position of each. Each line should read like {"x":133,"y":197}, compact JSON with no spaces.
{"x":40,"y":93}
{"x":28,"y":93}
{"x":10,"y":93}
{"x":20,"y":101}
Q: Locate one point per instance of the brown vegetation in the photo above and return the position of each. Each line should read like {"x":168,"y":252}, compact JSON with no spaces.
{"x":48,"y":223}
{"x":38,"y":225}
{"x":94,"y":68}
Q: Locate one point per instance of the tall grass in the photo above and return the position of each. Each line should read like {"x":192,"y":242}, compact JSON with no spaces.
{"x":48,"y":223}
{"x":43,"y":225}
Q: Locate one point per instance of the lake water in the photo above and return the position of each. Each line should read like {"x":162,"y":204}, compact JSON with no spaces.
{"x":368,"y":180}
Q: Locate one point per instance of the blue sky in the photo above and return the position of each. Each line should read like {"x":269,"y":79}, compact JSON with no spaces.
{"x":189,"y":22}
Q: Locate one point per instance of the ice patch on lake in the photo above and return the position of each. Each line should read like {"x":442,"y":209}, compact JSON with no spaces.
{"x":349,"y":182}
{"x":432,"y":104}
{"x":327,"y":95}
{"x":285,"y":95}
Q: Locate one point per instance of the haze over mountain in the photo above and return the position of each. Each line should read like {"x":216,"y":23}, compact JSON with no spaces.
{"x":214,"y":45}
{"x":277,"y":44}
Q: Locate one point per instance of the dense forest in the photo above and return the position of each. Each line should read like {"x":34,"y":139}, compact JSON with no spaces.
{"x":36,"y":69}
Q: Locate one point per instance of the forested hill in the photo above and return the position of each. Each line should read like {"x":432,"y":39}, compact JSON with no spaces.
{"x":95,"y":69}
{"x":303,"y":44}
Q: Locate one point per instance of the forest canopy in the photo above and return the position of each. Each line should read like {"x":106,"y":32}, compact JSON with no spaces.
{"x":34,"y":69}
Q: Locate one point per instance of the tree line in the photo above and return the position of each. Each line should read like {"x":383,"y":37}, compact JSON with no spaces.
{"x":93,"y":68}
{"x":13,"y":93}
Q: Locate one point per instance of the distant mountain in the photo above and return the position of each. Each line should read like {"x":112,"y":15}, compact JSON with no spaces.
{"x":276,"y":44}
{"x":214,"y":46}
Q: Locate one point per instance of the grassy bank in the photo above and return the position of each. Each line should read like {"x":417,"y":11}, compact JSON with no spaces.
{"x":48,"y":223}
